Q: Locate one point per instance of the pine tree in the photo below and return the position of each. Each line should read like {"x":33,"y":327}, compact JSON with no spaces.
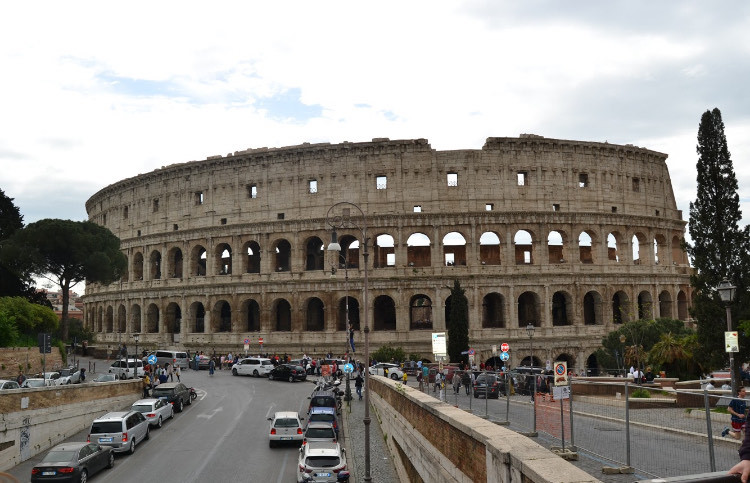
{"x":720,"y":249}
{"x":458,"y":324}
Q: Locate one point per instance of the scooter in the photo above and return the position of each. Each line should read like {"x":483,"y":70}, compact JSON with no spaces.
{"x":193,"y":394}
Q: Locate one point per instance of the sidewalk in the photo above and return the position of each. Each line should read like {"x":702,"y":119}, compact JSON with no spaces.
{"x":381,"y":465}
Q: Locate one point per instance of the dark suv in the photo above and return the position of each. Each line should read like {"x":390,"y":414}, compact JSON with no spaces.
{"x":488,"y":385}
{"x":175,"y":393}
{"x":287,"y":372}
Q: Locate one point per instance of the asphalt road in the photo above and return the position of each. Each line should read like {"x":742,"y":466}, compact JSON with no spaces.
{"x":220,"y":437}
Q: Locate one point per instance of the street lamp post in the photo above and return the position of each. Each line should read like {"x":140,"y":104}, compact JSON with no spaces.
{"x":136,"y":337}
{"x":343,"y":220}
{"x":726,"y":292}
{"x":622,"y":343}
{"x":530,"y":331}
{"x":348,"y":393}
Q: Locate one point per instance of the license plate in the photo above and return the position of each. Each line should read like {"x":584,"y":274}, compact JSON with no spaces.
{"x":105,"y":440}
{"x":49,"y":473}
{"x":286,"y":438}
{"x":326,"y":475}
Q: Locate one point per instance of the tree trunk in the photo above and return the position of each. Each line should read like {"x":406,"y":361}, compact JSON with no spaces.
{"x":65,"y":288}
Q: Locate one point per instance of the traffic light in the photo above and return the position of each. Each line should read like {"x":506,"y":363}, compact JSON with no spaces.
{"x":45,"y":343}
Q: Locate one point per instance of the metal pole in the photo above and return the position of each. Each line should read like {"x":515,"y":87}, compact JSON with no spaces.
{"x":348,"y":394}
{"x":731,"y":354}
{"x":366,"y":255}
{"x":570,"y":403}
{"x":711,"y":457}
{"x":627,"y":424}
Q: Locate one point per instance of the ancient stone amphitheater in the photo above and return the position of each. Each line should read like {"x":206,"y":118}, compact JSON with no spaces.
{"x":572,"y":237}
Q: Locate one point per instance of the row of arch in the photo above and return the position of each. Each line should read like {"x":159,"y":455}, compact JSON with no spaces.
{"x":526,"y":250}
{"x":248,"y":316}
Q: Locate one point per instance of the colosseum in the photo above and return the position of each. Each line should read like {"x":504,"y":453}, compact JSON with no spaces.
{"x":573,"y":237}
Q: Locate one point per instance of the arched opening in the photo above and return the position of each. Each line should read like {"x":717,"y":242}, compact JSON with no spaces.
{"x":385,"y":255}
{"x":282,"y":256}
{"x":585,"y":242}
{"x":562,"y":309}
{"x":349,"y":255}
{"x":612,"y":243}
{"x":251,"y":315}
{"x":489,"y":248}
{"x":282,"y":313}
{"x":252,"y":257}
{"x":384,"y":317}
{"x":592,"y":366}
{"x":645,"y":306}
{"x":315,"y":315}
{"x":620,"y":310}
{"x":418,"y":251}
{"x":352,"y":310}
{"x":454,"y":249}
{"x":420,"y":312}
{"x":173,"y":318}
{"x":155,"y":265}
{"x":110,"y":320}
{"x":197,"y":318}
{"x":592,"y":308}
{"x":682,"y":306}
{"x":556,"y":247}
{"x":152,"y":319}
{"x":640,"y":248}
{"x":567,"y":358}
{"x":314,"y":254}
{"x":524,"y":247}
{"x":221,"y":318}
{"x":660,"y":249}
{"x":138,"y":266}
{"x":493,"y":311}
{"x":175,"y":261}
{"x":528,"y":309}
{"x":198,"y":261}
{"x":665,"y":304}
{"x":223,"y":257}
{"x":678,"y":255}
{"x":100,"y":320}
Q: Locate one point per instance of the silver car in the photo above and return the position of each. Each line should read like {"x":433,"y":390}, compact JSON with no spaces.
{"x":68,"y":376}
{"x":156,"y":411}
{"x":122,"y":430}
{"x":320,"y":462}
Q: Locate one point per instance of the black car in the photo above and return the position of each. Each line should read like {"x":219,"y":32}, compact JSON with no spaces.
{"x":73,"y":462}
{"x":288,"y":372}
{"x":488,"y":385}
{"x":176,"y":393}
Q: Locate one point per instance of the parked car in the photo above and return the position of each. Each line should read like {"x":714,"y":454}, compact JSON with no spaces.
{"x":323,"y":461}
{"x":203,"y":362}
{"x":6,"y":384}
{"x":104,"y":378}
{"x":73,"y":462}
{"x":178,"y":358}
{"x":175,"y":393}
{"x":324,"y":415}
{"x":51,"y":377}
{"x":285,"y":427}
{"x":317,"y":431}
{"x":288,"y":372}
{"x":37,"y":382}
{"x":156,"y":411}
{"x":323,"y":398}
{"x":252,"y":366}
{"x":122,"y":430}
{"x":394,"y":371}
{"x":488,"y":385}
{"x":129,"y":369}
{"x":70,"y":375}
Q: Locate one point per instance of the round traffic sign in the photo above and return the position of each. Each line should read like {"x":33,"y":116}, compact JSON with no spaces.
{"x":504,"y":356}
{"x":348,"y":368}
{"x":260,"y":340}
{"x":560,"y":369}
{"x":505,"y":347}
{"x":247,"y":341}
{"x":151,"y":359}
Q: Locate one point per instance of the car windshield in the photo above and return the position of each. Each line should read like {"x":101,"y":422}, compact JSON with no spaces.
{"x":327,"y":418}
{"x":162,"y":392}
{"x":286,"y":423}
{"x":106,"y":427}
{"x":322,"y":401}
{"x":142,"y":408}
{"x":59,"y":456}
{"x":320,"y":433}
{"x":322,"y":461}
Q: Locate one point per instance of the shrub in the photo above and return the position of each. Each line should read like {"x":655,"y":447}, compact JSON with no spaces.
{"x":640,"y":392}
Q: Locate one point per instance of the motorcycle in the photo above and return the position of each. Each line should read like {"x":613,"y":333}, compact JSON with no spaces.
{"x":193,"y":394}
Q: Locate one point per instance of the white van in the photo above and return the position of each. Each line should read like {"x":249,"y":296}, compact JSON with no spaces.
{"x":252,"y":366}
{"x":178,"y":358}
{"x":129,"y":369}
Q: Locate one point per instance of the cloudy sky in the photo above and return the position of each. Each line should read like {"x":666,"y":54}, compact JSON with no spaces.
{"x":94,"y":92}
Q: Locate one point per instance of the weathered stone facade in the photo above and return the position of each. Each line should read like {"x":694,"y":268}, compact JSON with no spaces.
{"x":573,"y":237}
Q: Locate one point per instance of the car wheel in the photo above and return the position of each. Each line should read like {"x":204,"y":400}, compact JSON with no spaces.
{"x":255,"y":373}
{"x":189,"y":400}
{"x":131,"y":450}
{"x":179,"y":406}
{"x":148,"y":433}
{"x":291,"y":378}
{"x":159,"y":423}
{"x":271,"y":443}
{"x":476,"y":396}
{"x":270,"y":376}
{"x":111,"y":460}
{"x":234,"y":372}
{"x":84,"y":476}
{"x":394,"y":377}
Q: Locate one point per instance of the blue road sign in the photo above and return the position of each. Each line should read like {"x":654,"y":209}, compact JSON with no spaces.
{"x":504,"y":356}
{"x":348,"y":368}
{"x":151,"y":359}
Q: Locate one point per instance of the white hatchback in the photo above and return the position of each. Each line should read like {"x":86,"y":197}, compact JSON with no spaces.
{"x":321,"y":462}
{"x":252,"y":366}
{"x":156,"y":411}
{"x":286,"y":427}
{"x":394,"y":371}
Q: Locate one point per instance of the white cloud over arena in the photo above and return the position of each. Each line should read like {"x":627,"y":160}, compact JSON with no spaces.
{"x":94,"y":92}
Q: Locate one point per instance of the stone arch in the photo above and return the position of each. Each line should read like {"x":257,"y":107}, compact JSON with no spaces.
{"x":493,"y":311}
{"x":682,"y":306}
{"x":314,"y":254}
{"x":385,"y":254}
{"x":251,"y":251}
{"x":418,"y":250}
{"x":223,"y":259}
{"x":562,"y":309}
{"x":660,"y":249}
{"x":152,"y":319}
{"x":454,"y":249}
{"x":640,"y":248}
{"x":135,"y":319}
{"x":138,"y":266}
{"x":110,"y":320}
{"x":678,"y":254}
{"x":353,"y":311}
{"x":529,"y":308}
{"x":614,"y":240}
{"x":620,"y":307}
{"x":198,"y":261}
{"x":154,"y":263}
{"x":197,"y":314}
{"x":250,"y":314}
{"x":173,"y":318}
{"x":122,"y":319}
{"x":315,"y":315}
{"x":282,"y":256}
{"x":565,"y":357}
{"x":282,"y":316}
{"x":523,"y":242}
{"x":556,"y":243}
{"x":586,"y":240}
{"x":592,"y":308}
{"x":349,"y":255}
{"x":665,"y":304}
{"x":175,"y":263}
{"x":592,"y":366}
{"x":489,"y":248}
{"x":420,"y":312}
{"x":645,"y":305}
{"x":221,"y":317}
{"x":384,"y":317}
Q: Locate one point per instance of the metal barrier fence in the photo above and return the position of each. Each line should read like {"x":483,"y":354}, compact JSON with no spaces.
{"x":622,"y":425}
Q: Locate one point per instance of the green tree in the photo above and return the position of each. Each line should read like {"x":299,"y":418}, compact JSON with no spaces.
{"x":635,"y":339}
{"x":388,"y":353}
{"x":719,"y":249}
{"x":458,"y":324}
{"x":27,"y":318}
{"x":67,"y":252}
{"x":12,"y":282}
{"x":675,"y":354}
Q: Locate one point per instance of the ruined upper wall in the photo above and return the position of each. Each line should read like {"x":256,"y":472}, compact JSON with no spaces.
{"x":558,"y":175}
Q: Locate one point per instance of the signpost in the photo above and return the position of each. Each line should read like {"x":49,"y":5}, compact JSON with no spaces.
{"x":260,"y":341}
{"x":247,"y":346}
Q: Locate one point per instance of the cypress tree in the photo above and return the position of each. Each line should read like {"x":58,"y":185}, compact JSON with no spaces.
{"x":458,"y":324}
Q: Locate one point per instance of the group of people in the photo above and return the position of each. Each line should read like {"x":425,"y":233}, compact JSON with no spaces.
{"x":153,"y":376}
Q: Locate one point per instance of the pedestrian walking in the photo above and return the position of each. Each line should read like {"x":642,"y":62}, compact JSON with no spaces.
{"x":456,"y":382}
{"x":211,"y":366}
{"x":146,"y":385}
{"x":358,"y":385}
{"x":738,"y":409}
{"x":177,"y":372}
{"x":404,"y":377}
{"x":420,"y":380}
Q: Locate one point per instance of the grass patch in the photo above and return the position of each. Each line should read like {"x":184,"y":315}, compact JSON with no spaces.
{"x":641,"y":393}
